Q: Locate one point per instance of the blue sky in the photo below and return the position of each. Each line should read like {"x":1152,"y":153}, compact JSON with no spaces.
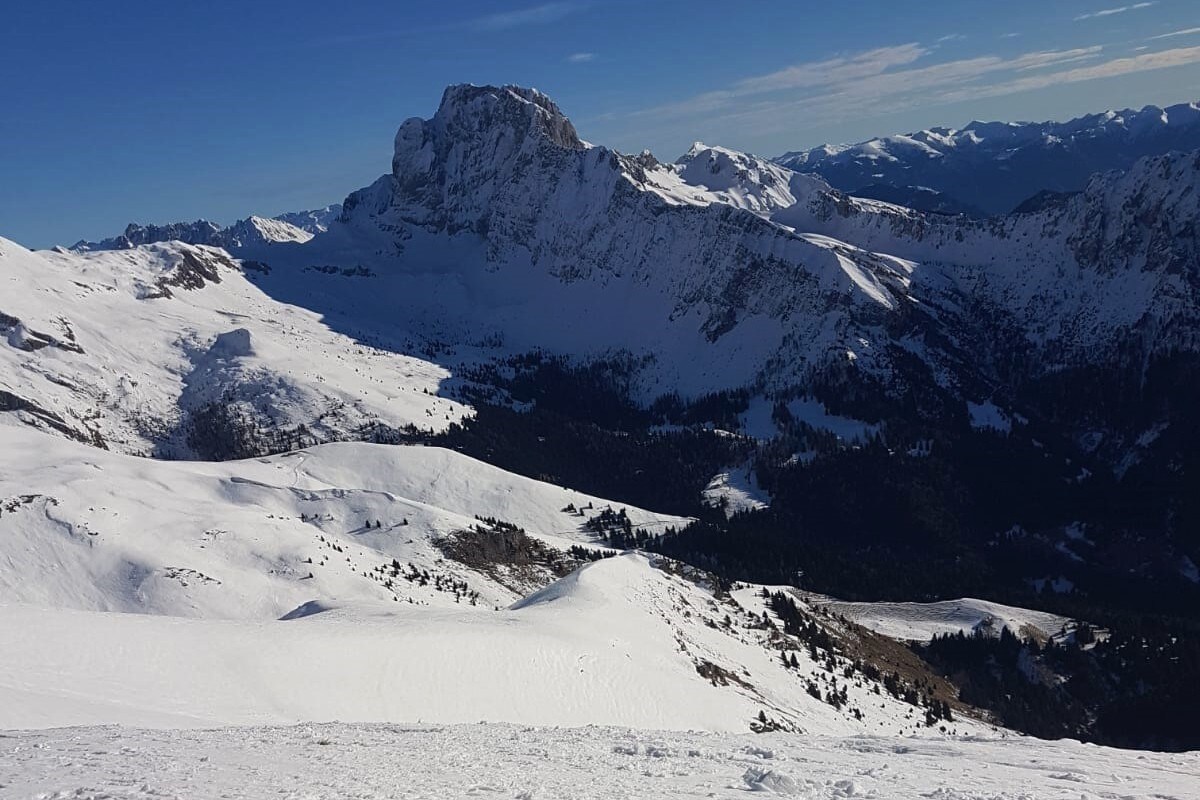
{"x":161,"y":111}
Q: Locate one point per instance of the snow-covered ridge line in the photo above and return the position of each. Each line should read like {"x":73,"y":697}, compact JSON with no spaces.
{"x":251,"y":232}
{"x":993,"y":166}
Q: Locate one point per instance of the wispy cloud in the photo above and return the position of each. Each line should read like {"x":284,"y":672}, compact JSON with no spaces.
{"x":543,"y":14}
{"x":1108,"y":12}
{"x":950,"y":37}
{"x":806,"y":76}
{"x":580,"y":58}
{"x":1183,"y":32}
{"x":1145,"y":62}
{"x":1034,"y":61}
{"x":521,"y":17}
{"x":890,"y":79}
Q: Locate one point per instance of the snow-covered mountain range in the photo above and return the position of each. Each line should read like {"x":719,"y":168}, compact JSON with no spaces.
{"x":723,"y":258}
{"x":498,"y":230}
{"x":994,"y":166}
{"x":731,"y":270}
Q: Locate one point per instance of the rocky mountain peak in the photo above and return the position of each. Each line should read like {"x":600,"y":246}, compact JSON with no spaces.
{"x":499,"y":121}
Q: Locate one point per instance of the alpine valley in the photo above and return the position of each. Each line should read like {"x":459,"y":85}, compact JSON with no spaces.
{"x":537,"y":433}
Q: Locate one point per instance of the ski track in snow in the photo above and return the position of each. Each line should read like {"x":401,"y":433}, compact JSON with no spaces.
{"x":506,"y":761}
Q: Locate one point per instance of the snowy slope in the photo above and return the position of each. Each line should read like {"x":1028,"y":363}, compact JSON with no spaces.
{"x":255,"y":581}
{"x":127,"y":349}
{"x":618,"y":642}
{"x":92,"y":530}
{"x":922,"y":621}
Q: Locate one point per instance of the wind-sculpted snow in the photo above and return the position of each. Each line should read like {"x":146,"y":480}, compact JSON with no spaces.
{"x":435,"y":762}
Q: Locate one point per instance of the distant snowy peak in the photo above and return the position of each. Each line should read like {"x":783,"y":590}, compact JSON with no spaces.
{"x":996,"y":165}
{"x":739,"y":179}
{"x":245,"y":233}
{"x":199,"y":232}
{"x":315,"y":221}
{"x":260,"y":230}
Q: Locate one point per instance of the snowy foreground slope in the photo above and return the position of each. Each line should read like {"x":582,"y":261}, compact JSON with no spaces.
{"x":354,"y":582}
{"x":267,"y":599}
{"x":505,"y":761}
{"x":98,"y":531}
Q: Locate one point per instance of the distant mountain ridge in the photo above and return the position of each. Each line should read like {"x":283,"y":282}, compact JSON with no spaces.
{"x":994,"y":166}
{"x":298,"y":226}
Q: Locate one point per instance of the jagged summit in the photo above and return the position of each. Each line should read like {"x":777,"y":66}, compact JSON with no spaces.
{"x":505,"y":116}
{"x":201,"y":231}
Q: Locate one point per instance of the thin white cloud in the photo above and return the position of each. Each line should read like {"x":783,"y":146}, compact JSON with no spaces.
{"x":950,"y":37}
{"x":1145,"y":62}
{"x":886,"y":80}
{"x":1045,"y":60}
{"x":1183,"y":32}
{"x":805,"y":76}
{"x":834,"y":70}
{"x":1009,"y":35}
{"x":1108,"y":12}
{"x":580,"y":58}
{"x":521,"y":17}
